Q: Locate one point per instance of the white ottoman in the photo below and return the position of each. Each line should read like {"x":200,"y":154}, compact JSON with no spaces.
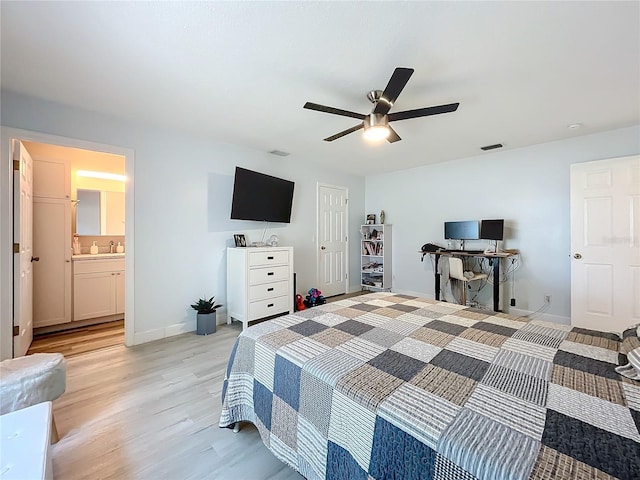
{"x":26,"y":381}
{"x":24,"y":443}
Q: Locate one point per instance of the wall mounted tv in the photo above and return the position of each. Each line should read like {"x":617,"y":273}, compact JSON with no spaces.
{"x":261,"y":197}
{"x":469,"y":230}
{"x":492,"y":229}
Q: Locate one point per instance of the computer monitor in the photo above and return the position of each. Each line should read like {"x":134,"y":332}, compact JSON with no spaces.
{"x":492,"y":229}
{"x":467,"y":230}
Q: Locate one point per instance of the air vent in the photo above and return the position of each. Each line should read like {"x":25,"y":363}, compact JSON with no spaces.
{"x":491,"y":147}
{"x":279,"y":153}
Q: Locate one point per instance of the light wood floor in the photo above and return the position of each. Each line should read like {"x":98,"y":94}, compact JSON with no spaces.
{"x":152,"y":411}
{"x":79,"y":340}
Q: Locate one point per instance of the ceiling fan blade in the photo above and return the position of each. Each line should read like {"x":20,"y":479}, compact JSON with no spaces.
{"x":393,"y":136}
{"x":344,"y":132}
{"x":423,"y":112}
{"x":396,"y":83}
{"x":335,"y":111}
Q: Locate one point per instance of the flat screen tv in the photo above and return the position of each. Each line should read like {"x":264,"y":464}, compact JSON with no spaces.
{"x":261,"y":197}
{"x":492,"y":229}
{"x":468,"y":230}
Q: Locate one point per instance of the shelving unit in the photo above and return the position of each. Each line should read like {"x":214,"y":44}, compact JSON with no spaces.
{"x":375,"y":256}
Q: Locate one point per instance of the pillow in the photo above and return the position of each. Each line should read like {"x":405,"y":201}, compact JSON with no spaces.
{"x":630,"y":347}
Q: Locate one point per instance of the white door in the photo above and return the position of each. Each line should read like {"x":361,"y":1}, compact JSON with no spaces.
{"x":23,"y":249}
{"x":332,"y":240}
{"x":52,"y":273}
{"x":605,"y":244}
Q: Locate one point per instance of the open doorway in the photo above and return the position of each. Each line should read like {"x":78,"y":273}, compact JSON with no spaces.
{"x":79,"y":241}
{"x":89,"y":294}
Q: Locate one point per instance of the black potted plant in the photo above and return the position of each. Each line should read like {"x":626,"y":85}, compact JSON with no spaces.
{"x":206,"y":318}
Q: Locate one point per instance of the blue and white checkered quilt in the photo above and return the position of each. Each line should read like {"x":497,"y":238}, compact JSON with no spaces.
{"x":387,"y":386}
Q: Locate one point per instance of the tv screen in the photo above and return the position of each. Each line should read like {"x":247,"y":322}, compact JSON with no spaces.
{"x":468,"y":230}
{"x":261,"y":197}
{"x":492,"y":229}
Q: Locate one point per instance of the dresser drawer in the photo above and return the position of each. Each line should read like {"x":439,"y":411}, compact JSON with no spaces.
{"x":268,"y":258}
{"x":269,"y":290}
{"x":268,"y":274}
{"x":266,"y":308}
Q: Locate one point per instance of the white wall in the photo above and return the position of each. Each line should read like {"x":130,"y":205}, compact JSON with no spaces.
{"x":179,"y":252}
{"x":528,"y":187}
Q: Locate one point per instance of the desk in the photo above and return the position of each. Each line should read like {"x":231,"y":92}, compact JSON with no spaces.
{"x":494,"y":261}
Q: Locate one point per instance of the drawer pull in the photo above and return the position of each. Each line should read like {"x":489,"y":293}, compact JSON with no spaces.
{"x":270,"y":305}
{"x":270,"y":289}
{"x":269,"y":258}
{"x":269,"y":273}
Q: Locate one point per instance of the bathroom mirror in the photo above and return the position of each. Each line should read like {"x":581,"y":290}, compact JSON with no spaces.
{"x":99,"y":212}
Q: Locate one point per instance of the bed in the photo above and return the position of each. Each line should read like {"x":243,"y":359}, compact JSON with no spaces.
{"x":389,"y":386}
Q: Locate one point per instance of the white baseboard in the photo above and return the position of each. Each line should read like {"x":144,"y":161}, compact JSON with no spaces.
{"x":175,"y":329}
{"x":148,"y":336}
{"x":547,"y":317}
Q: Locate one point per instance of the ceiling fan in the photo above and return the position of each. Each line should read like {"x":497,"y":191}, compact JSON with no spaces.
{"x":376,"y":124}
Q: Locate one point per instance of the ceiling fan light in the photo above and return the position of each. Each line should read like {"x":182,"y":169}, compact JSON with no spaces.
{"x":376,"y":133}
{"x":376,"y":127}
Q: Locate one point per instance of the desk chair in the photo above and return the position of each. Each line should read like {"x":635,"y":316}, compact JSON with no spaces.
{"x":456,"y":271}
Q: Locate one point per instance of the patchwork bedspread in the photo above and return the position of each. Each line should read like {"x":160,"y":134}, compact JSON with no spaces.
{"x":388,"y":386}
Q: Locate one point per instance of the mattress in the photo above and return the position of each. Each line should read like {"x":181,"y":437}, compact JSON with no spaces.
{"x":388,"y":386}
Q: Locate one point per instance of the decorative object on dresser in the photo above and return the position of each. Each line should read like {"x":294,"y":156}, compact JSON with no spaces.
{"x":375,"y":264}
{"x":239,"y":240}
{"x":206,"y":317}
{"x":370,"y":219}
{"x":381,"y":216}
{"x":259,"y":283}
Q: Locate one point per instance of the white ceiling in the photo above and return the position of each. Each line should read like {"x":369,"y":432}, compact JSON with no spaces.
{"x":241,"y":71}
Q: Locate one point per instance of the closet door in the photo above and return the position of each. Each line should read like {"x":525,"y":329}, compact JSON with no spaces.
{"x":52,"y":272}
{"x":605,"y":244}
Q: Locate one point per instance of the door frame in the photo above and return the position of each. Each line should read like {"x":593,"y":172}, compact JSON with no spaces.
{"x":6,"y":226}
{"x":317,"y":242}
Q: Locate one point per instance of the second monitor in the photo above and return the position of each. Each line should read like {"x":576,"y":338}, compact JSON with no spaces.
{"x":492,"y":229}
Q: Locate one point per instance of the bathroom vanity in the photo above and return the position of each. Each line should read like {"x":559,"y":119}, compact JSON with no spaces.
{"x":98,"y":286}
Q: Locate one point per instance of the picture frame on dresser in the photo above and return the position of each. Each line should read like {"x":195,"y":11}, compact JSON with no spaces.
{"x":239,"y":240}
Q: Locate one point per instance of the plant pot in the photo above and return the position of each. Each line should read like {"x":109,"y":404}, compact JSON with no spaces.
{"x":206,"y":323}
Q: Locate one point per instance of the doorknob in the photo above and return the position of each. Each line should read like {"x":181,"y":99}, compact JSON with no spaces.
{"x":323,"y":247}
{"x":35,"y":259}
{"x":577,"y":256}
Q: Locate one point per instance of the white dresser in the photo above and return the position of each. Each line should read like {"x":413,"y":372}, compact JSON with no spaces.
{"x":259,"y":283}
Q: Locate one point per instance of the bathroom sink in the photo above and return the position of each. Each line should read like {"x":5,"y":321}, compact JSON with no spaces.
{"x":88,"y":256}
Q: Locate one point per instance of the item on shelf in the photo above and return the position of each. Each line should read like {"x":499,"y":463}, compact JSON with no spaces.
{"x":381,"y":216}
{"x":76,"y":245}
{"x":371,"y":219}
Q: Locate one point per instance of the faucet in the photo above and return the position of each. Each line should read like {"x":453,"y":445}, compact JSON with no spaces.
{"x":111,"y":244}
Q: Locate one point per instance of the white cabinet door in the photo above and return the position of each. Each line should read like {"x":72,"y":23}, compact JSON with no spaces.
{"x":52,"y":271}
{"x":52,"y":178}
{"x":119,"y":278}
{"x":94,"y":295}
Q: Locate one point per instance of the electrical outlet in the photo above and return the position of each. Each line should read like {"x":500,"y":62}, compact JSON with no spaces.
{"x":547,"y":299}
{"x":513,"y":302}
